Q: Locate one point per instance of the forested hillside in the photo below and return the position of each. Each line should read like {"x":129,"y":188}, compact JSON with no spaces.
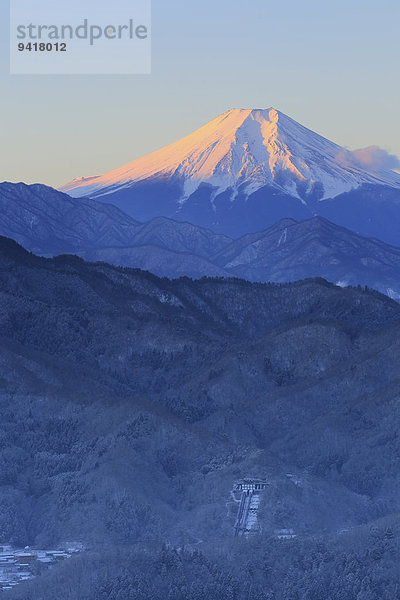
{"x":130,"y":404}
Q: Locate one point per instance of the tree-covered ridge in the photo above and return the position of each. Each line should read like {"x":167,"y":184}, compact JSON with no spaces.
{"x":130,"y":404}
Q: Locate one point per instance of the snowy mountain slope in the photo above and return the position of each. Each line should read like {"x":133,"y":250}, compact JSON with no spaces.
{"x":248,"y":169}
{"x":247,"y":150}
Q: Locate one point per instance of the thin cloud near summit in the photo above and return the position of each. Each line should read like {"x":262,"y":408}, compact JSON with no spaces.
{"x":371,"y":157}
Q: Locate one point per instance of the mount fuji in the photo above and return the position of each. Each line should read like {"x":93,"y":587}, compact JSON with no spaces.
{"x":247,"y":169}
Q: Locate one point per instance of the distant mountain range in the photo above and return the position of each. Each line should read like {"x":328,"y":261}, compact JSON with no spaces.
{"x":246,"y":170}
{"x":48,"y":222}
{"x":290,"y":251}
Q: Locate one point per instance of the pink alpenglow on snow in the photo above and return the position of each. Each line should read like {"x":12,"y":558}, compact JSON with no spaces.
{"x":249,"y":149}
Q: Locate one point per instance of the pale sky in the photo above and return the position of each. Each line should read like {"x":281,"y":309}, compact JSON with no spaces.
{"x":334,"y":67}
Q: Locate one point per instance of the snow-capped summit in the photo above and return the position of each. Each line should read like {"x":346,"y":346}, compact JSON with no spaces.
{"x":245,"y":150}
{"x":246,"y":170}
